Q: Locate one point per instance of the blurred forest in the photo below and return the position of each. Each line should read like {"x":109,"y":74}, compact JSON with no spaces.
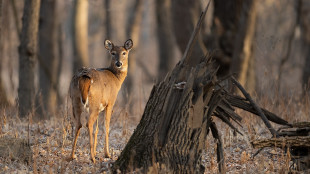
{"x":265,"y":43}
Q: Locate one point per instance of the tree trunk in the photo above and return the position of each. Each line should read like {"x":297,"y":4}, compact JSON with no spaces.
{"x":133,"y":32}
{"x":165,"y":38}
{"x":80,"y":34}
{"x":177,"y":118}
{"x":185,"y":14}
{"x":27,"y":56}
{"x":3,"y":97}
{"x":242,"y":60}
{"x":173,"y":127}
{"x":49,"y":55}
{"x":172,"y":130}
{"x":305,"y":28}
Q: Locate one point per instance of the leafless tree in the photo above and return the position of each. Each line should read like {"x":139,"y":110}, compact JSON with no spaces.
{"x":305,"y":28}
{"x":133,"y":28}
{"x":28,"y":56}
{"x":49,"y":54}
{"x":80,"y":34}
{"x":165,"y":37}
{"x":242,"y":59}
{"x":3,"y":97}
{"x":185,"y":14}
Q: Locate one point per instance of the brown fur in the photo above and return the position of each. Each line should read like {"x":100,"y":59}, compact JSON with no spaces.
{"x":100,"y":87}
{"x":84,"y":84}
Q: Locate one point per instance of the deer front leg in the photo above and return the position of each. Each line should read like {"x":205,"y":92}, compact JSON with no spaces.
{"x":92,"y":118}
{"x":107,"y":126}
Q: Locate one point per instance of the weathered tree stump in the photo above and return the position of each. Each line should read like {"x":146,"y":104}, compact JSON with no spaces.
{"x":178,"y":116}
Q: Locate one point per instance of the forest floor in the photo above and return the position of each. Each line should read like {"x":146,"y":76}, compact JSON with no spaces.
{"x":51,"y":140}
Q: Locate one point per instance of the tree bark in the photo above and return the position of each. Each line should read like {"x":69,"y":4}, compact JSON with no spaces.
{"x":49,"y":55}
{"x":80,"y":34}
{"x":172,"y":131}
{"x":165,"y":38}
{"x":242,"y":59}
{"x":3,"y":97}
{"x":305,"y":30}
{"x":27,"y":56}
{"x":173,"y":126}
{"x":185,"y":14}
{"x":133,"y":32}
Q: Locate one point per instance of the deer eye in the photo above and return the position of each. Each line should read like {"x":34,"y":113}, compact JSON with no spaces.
{"x":124,"y":53}
{"x":113,"y":53}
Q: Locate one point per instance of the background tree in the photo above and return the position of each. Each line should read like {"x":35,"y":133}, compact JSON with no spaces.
{"x":3,"y":97}
{"x":185,"y":14}
{"x":80,"y":34}
{"x":165,"y":37}
{"x":305,"y":30}
{"x":28,"y":56}
{"x":243,"y":63}
{"x":133,"y":29}
{"x":49,"y":55}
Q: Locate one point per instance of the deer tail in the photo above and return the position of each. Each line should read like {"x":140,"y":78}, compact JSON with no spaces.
{"x":84,"y":84}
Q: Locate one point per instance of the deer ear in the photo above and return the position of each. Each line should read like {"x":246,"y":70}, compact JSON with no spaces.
{"x":108,"y":45}
{"x":128,"y":44}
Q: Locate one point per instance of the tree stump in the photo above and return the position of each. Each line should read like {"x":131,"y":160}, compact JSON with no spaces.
{"x":178,"y":116}
{"x":175,"y":122}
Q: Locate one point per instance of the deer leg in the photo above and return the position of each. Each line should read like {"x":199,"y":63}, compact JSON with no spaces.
{"x":92,"y":118}
{"x":96,"y":133}
{"x":76,"y":113}
{"x":107,"y":126}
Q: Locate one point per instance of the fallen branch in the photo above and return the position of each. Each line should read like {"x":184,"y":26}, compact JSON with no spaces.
{"x":242,"y":103}
{"x":281,"y":142}
{"x":256,"y":107}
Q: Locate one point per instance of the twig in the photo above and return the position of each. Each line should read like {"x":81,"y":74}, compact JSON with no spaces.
{"x":259,"y":110}
{"x":257,"y":152}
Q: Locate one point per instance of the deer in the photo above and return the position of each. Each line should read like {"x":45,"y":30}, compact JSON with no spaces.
{"x":95,"y":90}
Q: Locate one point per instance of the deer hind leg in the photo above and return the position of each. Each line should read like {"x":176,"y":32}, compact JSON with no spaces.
{"x":96,"y":133}
{"x":92,"y":118}
{"x":77,"y":118}
{"x":107,"y":126}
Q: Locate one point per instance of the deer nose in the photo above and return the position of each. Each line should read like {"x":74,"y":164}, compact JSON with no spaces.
{"x":118,"y":64}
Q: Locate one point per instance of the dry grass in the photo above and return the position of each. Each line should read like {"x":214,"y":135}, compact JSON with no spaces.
{"x":50,"y":142}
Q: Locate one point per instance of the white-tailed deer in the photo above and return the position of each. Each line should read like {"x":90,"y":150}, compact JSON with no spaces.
{"x":95,"y":90}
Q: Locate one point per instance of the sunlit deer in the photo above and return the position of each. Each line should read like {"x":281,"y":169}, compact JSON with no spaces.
{"x":95,"y":90}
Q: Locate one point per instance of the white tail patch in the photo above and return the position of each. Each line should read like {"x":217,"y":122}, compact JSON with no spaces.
{"x":101,"y":107}
{"x":85,"y":105}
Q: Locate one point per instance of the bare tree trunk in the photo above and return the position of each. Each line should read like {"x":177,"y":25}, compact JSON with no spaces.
{"x":49,"y":55}
{"x":242,"y":60}
{"x":133,"y":32}
{"x":223,"y":33}
{"x":80,"y":34}
{"x":185,"y":14}
{"x":3,"y":97}
{"x":305,"y":28}
{"x":27,"y":56}
{"x":165,"y":37}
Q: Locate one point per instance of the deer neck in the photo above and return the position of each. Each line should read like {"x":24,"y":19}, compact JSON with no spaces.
{"x":119,"y":74}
